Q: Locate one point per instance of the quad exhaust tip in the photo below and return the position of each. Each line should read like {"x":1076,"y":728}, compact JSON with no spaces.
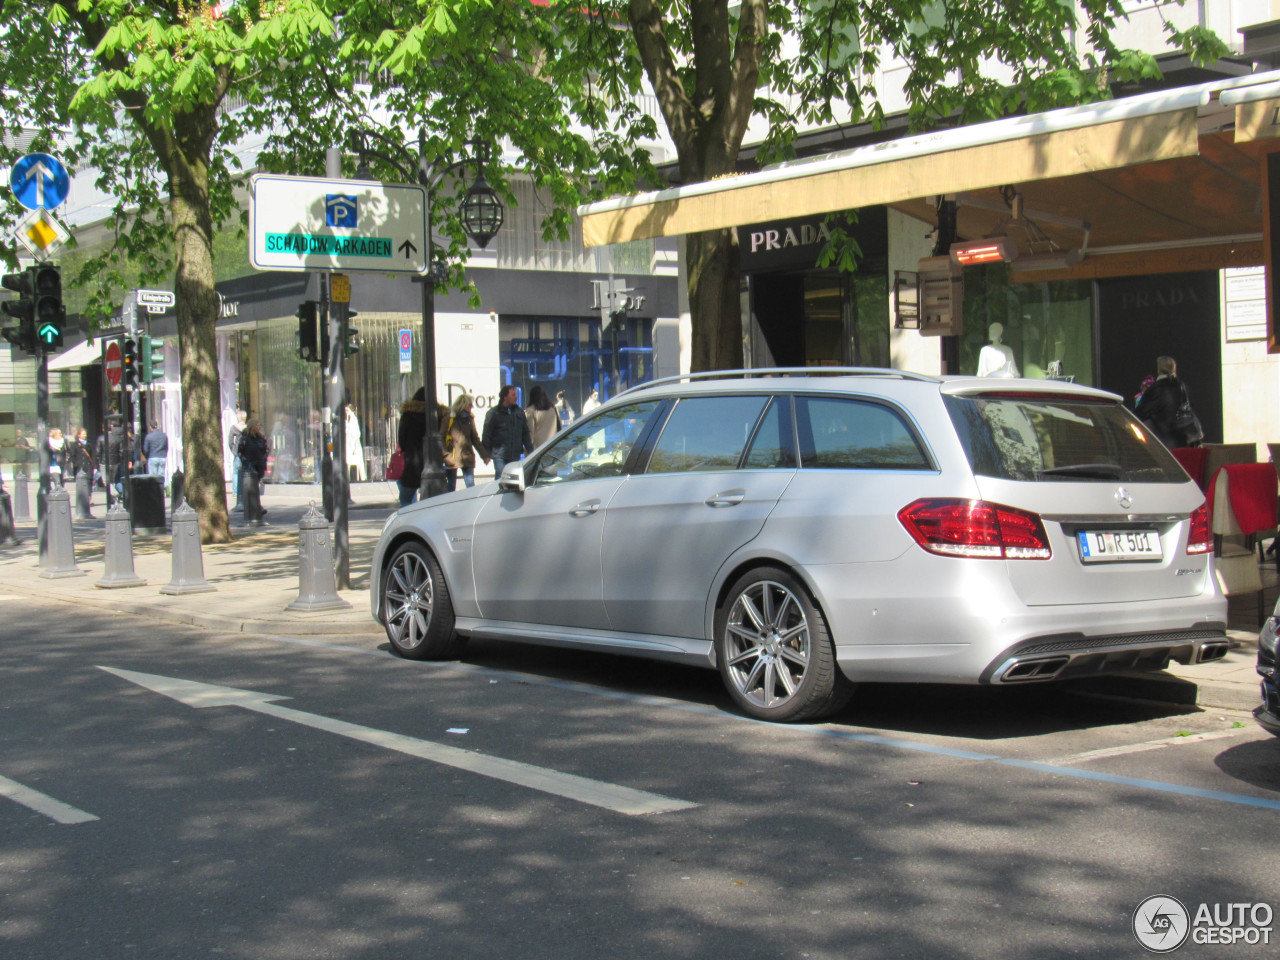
{"x":1037,"y":668}
{"x":1213,"y":650}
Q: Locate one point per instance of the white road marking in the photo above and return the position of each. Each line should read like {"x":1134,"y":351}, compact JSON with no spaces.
{"x":1149,"y":745}
{"x":42,"y":803}
{"x":582,"y":789}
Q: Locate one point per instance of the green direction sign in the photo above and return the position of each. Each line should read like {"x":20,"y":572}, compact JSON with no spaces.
{"x":312,"y":223}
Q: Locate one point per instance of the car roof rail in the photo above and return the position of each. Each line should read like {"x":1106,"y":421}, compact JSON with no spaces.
{"x":765,"y":372}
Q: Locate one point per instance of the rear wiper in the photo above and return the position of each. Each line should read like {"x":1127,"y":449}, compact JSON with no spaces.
{"x":1085,"y":471}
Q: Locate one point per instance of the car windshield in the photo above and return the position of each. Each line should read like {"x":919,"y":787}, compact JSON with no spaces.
{"x":1050,"y":438}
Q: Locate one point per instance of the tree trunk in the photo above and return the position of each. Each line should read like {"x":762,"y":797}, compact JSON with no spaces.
{"x":197,"y":308}
{"x":714,"y":301}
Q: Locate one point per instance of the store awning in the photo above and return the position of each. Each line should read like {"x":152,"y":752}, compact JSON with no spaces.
{"x":83,"y":354}
{"x":1139,"y":169}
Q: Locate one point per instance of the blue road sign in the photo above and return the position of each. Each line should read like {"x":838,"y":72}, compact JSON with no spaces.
{"x":39,"y":180}
{"x":340,"y":210}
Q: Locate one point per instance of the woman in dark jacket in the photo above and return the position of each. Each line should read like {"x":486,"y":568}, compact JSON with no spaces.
{"x":413,"y":427}
{"x":253,"y":449}
{"x":1158,"y":405}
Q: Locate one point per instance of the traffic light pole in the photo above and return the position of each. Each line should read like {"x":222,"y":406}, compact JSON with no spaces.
{"x":335,"y":404}
{"x":42,"y":440}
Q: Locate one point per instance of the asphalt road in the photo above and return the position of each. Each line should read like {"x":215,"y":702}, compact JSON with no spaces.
{"x":539,"y":804}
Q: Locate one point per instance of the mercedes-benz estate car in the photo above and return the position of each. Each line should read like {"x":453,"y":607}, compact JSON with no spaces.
{"x":802,"y":531}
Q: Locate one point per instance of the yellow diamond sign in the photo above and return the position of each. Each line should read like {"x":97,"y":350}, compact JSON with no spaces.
{"x":41,"y":233}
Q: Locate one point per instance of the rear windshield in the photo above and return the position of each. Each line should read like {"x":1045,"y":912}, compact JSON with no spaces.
{"x":1059,"y":439}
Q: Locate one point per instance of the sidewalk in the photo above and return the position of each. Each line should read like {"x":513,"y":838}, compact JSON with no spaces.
{"x":256,"y":577}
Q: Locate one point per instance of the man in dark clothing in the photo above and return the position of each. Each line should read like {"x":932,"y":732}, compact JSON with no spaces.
{"x":413,"y":427}
{"x":155,"y":450}
{"x":1159,"y":403}
{"x":120,"y":454}
{"x":506,"y":431}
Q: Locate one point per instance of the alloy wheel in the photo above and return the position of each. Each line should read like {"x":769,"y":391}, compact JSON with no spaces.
{"x":410,"y":596}
{"x":767,"y":642}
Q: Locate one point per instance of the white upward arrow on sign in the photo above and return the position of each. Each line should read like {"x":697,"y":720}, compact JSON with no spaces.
{"x":42,"y":173}
{"x":595,"y":792}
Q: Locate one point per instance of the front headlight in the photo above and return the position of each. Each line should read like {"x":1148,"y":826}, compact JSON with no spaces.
{"x":389,"y":519}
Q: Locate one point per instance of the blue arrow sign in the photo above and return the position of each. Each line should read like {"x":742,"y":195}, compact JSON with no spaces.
{"x":39,"y":180}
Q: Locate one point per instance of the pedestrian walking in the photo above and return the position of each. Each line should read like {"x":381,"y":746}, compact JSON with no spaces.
{"x":355,"y":449}
{"x":1165,"y":407}
{"x":462,"y":444}
{"x":542,"y":416}
{"x":506,"y":431}
{"x":253,"y":456}
{"x":82,"y":462}
{"x":155,"y":449}
{"x":234,"y":439}
{"x":413,"y":428}
{"x":57,"y":456}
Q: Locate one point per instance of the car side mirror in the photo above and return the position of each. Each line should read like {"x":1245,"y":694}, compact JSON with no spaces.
{"x":512,"y":478}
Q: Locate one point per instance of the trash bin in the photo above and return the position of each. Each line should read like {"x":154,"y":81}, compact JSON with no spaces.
{"x":146,"y":504}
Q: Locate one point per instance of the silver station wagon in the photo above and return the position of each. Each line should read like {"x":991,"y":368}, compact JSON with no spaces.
{"x":803,"y":530}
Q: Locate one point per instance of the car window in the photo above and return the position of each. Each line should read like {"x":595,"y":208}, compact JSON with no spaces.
{"x":773,"y":446}
{"x":706,"y":433}
{"x":1059,"y":438}
{"x":842,"y":433}
{"x":595,"y":446}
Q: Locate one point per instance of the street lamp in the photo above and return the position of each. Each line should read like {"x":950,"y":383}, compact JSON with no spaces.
{"x":482,"y":215}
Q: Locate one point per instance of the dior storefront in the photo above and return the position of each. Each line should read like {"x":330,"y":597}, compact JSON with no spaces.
{"x":532,"y":328}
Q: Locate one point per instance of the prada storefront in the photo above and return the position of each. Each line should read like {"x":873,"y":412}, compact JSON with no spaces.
{"x":802,"y":315}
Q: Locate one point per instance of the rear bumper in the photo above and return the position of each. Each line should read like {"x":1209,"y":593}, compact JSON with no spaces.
{"x":970,"y":627}
{"x":1073,"y":657}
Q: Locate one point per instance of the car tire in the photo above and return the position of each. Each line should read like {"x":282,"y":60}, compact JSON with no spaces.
{"x":417,"y":610}
{"x":774,"y":650}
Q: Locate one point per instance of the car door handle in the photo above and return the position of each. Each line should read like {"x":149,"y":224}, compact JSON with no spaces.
{"x":728,"y":498}
{"x":585,"y":509}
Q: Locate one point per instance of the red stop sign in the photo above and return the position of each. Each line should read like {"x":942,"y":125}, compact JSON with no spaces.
{"x":113,"y":363}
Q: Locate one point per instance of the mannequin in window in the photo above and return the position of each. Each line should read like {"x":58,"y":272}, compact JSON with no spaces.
{"x":996,"y":358}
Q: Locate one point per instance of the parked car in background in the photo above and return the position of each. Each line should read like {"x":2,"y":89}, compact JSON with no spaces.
{"x":803,"y":530}
{"x":1268,"y":714}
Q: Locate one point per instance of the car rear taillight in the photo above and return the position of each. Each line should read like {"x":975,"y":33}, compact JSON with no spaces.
{"x":975,"y":528}
{"x":1200,"y":538}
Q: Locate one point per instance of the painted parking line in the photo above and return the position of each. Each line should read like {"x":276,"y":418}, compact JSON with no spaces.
{"x":1128,"y":748}
{"x":611,"y":796}
{"x":42,"y":803}
{"x":1052,"y":767}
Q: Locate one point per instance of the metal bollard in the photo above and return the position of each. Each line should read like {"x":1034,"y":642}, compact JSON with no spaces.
{"x":188,"y":563}
{"x":251,"y":496}
{"x":8,"y":535}
{"x":59,"y":560}
{"x":177,"y":491}
{"x":119,"y":570}
{"x":21,"y":499}
{"x":84,"y":496}
{"x":317,"y":585}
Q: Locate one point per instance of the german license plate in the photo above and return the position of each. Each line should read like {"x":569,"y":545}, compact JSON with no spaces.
{"x":1100,"y":546}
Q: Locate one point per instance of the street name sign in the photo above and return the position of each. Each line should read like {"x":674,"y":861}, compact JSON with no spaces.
{"x":156,"y":301}
{"x":39,"y":180}
{"x":311,"y":223}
